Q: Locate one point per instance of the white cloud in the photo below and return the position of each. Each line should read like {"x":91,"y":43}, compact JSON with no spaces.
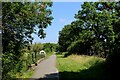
{"x":65,"y":21}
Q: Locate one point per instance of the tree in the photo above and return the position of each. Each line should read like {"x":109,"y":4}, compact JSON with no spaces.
{"x":19,"y":21}
{"x":77,"y":30}
{"x":49,"y":47}
{"x":98,"y":21}
{"x":69,"y":34}
{"x":64,"y":38}
{"x":98,"y":28}
{"x":99,"y":33}
{"x":113,"y":58}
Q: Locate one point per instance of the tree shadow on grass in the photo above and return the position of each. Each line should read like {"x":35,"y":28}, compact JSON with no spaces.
{"x":95,"y":72}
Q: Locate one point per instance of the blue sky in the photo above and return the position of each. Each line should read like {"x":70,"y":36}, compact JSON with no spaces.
{"x":63,"y":13}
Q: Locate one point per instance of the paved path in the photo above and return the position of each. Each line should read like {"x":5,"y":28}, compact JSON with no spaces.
{"x":46,"y":70}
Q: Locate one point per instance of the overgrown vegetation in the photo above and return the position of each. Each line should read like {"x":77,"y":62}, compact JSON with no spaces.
{"x":19,"y":21}
{"x":23,"y":67}
{"x":96,"y":31}
{"x":81,"y":67}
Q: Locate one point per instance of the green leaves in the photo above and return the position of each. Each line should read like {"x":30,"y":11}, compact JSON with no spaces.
{"x":21,"y":18}
{"x":96,"y":26}
{"x":19,"y":21}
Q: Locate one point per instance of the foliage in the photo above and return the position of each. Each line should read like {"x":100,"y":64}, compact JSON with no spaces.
{"x":68,"y":34}
{"x":37,"y":47}
{"x":95,"y":30}
{"x":97,"y":25}
{"x":75,"y":47}
{"x":19,"y":21}
{"x":49,"y":47}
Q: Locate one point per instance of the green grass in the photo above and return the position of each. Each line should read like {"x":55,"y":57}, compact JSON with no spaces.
{"x":27,"y":74}
{"x":81,"y":67}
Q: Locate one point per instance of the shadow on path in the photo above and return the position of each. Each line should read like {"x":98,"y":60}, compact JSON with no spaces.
{"x":52,"y":76}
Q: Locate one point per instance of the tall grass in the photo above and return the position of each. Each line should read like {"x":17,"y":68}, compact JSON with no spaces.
{"x":81,"y":67}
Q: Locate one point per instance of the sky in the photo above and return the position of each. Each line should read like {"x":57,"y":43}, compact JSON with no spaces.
{"x":63,"y":14}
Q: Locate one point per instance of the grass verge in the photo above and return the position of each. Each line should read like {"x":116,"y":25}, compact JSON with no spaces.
{"x":82,"y":67}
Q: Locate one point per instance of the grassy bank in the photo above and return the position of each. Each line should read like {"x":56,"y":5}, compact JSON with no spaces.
{"x":81,"y":67}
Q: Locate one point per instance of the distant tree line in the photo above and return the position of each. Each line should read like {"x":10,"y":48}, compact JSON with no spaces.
{"x":50,"y":47}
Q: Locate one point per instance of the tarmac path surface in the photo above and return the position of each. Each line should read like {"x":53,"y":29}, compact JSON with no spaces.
{"x":46,"y":69}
